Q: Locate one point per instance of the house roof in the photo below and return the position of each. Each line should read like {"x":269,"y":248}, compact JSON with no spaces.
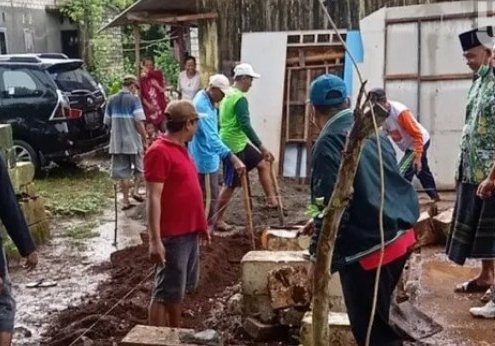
{"x":160,"y":12}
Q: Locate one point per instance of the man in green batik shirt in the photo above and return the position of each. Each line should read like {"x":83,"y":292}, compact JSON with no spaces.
{"x":238,"y":134}
{"x":472,"y":234}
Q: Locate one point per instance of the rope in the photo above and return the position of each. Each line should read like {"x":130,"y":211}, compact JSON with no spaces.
{"x":112,"y":308}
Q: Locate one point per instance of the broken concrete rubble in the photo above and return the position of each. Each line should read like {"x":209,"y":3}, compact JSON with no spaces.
{"x":259,"y":331}
{"x":207,"y":337}
{"x":284,"y":239}
{"x":443,"y":221}
{"x":291,"y":317}
{"x":289,"y":286}
{"x":155,"y":336}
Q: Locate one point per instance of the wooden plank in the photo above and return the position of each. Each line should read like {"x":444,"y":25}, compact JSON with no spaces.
{"x":325,"y":66}
{"x":429,"y":78}
{"x":168,"y":19}
{"x":455,"y":16}
{"x":154,"y":336}
{"x":307,"y":127}
{"x":316,"y":58}
{"x":287,"y":104}
{"x":302,"y":58}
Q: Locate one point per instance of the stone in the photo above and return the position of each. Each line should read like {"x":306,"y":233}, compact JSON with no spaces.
{"x":207,"y":337}
{"x":425,"y":231}
{"x":234,"y":304}
{"x":259,"y":331}
{"x":256,"y":265}
{"x":284,"y":239}
{"x":291,"y":317}
{"x":442,"y":222}
{"x":340,"y":330}
{"x":155,"y":336}
{"x":21,"y":175}
{"x":289,"y":286}
{"x":6,"y":139}
{"x":259,"y":307}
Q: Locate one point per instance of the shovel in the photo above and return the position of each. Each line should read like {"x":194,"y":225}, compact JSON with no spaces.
{"x":412,"y":323}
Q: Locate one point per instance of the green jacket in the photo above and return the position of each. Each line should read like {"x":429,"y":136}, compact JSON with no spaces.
{"x":359,"y":233}
{"x":478,"y":139}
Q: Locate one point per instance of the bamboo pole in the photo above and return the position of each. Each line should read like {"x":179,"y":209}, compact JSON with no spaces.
{"x":249,"y":210}
{"x":339,"y":201}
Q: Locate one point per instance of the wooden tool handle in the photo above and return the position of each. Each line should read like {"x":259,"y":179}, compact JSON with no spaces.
{"x":277,"y":192}
{"x":249,"y":212}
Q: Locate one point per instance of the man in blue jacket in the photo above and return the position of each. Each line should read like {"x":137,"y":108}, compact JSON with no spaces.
{"x":206,"y":147}
{"x":357,"y":248}
{"x":13,"y":220}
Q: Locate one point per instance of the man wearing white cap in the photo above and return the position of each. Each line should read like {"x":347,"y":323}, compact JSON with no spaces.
{"x":206,"y":146}
{"x":238,"y":134}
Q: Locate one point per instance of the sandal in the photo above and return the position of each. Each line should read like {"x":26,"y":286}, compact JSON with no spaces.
{"x":127,"y":207}
{"x":224,"y":227}
{"x":138,"y":198}
{"x":471,"y":287}
{"x":487,"y":296}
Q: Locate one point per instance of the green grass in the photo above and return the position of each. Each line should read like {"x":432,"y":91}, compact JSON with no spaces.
{"x":83,"y":231}
{"x":75,"y":191}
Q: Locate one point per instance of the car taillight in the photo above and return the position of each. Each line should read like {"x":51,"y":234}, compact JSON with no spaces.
{"x":63,"y":110}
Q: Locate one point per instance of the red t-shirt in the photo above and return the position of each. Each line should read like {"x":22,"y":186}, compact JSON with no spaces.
{"x":182,"y":210}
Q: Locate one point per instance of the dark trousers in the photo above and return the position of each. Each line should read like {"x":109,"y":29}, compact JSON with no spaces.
{"x":358,"y":287}
{"x":424,"y":175}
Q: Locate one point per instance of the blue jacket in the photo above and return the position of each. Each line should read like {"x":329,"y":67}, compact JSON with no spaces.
{"x":206,"y":146}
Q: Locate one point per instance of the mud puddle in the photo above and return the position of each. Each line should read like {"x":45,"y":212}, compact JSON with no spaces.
{"x":70,"y":264}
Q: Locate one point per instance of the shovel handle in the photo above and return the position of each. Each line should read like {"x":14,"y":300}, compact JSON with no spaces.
{"x":277,"y":192}
{"x":247,"y":205}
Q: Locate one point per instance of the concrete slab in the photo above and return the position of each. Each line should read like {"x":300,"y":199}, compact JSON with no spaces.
{"x":340,"y":330}
{"x":154,"y":336}
{"x":437,"y":299}
{"x":284,"y":240}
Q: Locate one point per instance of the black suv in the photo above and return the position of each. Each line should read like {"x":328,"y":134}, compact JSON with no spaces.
{"x":54,"y":106}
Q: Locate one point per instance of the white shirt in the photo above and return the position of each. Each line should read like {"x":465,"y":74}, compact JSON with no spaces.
{"x":189,"y":86}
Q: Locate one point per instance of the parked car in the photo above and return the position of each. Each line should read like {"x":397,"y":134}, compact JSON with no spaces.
{"x":54,"y":106}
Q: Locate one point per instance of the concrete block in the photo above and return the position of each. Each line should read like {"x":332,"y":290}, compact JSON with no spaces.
{"x":154,"y":336}
{"x":259,"y":307}
{"x":259,"y":331}
{"x":22,"y":174}
{"x":28,"y":190}
{"x":33,"y":209}
{"x":289,"y":286}
{"x":284,"y":239}
{"x":340,"y":330}
{"x":6,"y":139}
{"x":443,"y":221}
{"x":256,"y":265}
{"x":427,"y":232}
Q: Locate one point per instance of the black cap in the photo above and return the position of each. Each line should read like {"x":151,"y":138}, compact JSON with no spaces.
{"x":378,"y":95}
{"x":477,"y":37}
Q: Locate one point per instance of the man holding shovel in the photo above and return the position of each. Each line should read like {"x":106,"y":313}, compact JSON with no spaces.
{"x":13,"y":219}
{"x":176,"y":215}
{"x":206,"y":146}
{"x":238,"y":134}
{"x":357,"y":249}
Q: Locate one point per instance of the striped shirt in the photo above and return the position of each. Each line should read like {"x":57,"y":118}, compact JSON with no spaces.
{"x":123,"y":111}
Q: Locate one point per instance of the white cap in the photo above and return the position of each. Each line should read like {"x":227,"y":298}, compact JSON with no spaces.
{"x":221,"y":82}
{"x":245,"y":70}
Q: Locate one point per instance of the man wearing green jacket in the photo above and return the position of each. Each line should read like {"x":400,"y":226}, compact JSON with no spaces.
{"x":238,"y":134}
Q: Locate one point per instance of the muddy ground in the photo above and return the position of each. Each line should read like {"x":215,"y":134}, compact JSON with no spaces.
{"x":130,"y":273}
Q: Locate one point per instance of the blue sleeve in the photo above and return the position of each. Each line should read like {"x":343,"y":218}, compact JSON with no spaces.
{"x":11,"y":214}
{"x":326,"y":163}
{"x":209,"y":126}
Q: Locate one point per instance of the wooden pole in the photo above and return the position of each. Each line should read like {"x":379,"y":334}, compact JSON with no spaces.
{"x":208,"y":202}
{"x":339,"y":201}
{"x":277,"y":192}
{"x":249,"y":210}
{"x":137,"y":48}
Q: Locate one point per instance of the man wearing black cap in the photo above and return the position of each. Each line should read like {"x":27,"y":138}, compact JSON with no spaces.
{"x":357,"y":248}
{"x":472,"y":233}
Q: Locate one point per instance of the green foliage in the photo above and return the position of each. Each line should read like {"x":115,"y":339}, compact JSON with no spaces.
{"x":166,"y":61}
{"x":76,"y":192}
{"x":83,"y":231}
{"x":316,"y":209}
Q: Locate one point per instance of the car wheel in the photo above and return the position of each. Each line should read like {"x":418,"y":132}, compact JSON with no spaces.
{"x":25,"y":153}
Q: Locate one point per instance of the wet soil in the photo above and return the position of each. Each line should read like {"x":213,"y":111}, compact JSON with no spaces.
{"x":131,"y":277}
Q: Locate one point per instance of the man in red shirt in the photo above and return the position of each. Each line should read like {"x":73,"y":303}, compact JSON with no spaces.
{"x":176,"y":214}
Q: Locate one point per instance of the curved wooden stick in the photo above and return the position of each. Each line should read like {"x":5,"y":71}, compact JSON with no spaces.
{"x":249,"y":211}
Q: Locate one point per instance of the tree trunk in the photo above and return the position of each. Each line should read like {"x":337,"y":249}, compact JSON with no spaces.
{"x":341,"y":196}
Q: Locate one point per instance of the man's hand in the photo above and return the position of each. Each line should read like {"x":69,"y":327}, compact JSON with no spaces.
{"x":239,"y":166}
{"x":268,"y":156}
{"x":206,"y":238}
{"x":485,"y":189}
{"x":31,"y":261}
{"x":417,"y":164}
{"x":157,"y":252}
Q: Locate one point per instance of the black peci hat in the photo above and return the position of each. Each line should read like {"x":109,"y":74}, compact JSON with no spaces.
{"x":477,"y":37}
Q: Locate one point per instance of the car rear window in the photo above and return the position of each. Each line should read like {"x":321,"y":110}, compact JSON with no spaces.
{"x":72,"y":80}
